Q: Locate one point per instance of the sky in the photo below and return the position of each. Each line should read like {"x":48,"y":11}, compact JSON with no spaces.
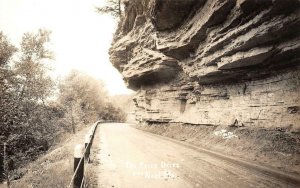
{"x":80,"y":36}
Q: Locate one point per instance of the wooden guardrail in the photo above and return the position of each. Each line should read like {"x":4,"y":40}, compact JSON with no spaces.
{"x":81,"y":155}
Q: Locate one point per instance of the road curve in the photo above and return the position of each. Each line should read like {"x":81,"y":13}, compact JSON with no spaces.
{"x":131,"y":158}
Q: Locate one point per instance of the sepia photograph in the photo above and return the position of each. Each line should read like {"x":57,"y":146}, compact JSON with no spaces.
{"x":149,"y":93}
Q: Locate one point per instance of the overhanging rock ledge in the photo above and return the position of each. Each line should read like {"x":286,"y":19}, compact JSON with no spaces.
{"x":214,"y":62}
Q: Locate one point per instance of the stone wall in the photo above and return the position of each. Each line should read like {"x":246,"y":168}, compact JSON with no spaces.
{"x":216,"y":62}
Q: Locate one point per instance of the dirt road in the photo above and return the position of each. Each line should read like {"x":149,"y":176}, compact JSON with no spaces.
{"x":132,"y":158}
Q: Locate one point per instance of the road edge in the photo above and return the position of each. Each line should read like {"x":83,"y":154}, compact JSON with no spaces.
{"x":269,"y":171}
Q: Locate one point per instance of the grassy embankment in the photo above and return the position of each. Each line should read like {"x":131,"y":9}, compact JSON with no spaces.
{"x":54,"y":168}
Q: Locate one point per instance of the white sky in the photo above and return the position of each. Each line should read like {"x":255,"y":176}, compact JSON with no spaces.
{"x":80,"y":36}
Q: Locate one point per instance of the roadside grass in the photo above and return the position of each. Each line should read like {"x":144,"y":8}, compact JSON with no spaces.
{"x":55,"y":168}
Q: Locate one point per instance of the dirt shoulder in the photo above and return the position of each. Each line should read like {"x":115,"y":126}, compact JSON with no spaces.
{"x":275,"y":148}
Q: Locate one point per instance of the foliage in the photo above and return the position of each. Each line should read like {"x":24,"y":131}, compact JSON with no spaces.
{"x":112,"y":7}
{"x":29,"y":121}
{"x":85,"y":100}
{"x":25,"y":118}
{"x":6,"y":52}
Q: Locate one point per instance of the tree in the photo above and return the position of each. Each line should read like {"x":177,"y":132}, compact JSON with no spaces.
{"x":80,"y":94}
{"x":6,"y":104}
{"x":26,"y":81}
{"x":32,"y":84}
{"x":24,"y":89}
{"x":85,"y":100}
{"x":6,"y":52}
{"x":112,"y":7}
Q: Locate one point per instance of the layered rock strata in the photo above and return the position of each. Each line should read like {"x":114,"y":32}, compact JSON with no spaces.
{"x":216,"y":62}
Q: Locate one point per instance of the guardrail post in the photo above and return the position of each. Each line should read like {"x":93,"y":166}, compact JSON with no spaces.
{"x":5,"y":165}
{"x":78,"y":165}
{"x":87,"y":145}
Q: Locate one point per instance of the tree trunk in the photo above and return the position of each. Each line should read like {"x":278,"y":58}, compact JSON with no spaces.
{"x":72,"y":121}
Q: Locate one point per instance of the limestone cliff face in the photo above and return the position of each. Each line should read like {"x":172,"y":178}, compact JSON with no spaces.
{"x":212,"y":62}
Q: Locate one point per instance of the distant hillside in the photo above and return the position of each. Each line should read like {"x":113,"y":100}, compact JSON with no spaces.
{"x":124,"y":102}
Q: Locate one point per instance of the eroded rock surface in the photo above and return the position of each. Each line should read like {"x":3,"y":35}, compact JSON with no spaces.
{"x":216,"y":62}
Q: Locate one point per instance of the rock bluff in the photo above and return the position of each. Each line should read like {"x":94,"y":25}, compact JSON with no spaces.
{"x":216,"y":62}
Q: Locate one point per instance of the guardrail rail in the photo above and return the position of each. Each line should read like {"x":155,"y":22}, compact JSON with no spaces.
{"x":81,"y":155}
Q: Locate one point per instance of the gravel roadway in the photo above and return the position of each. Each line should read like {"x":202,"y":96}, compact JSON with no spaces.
{"x":132,"y":158}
